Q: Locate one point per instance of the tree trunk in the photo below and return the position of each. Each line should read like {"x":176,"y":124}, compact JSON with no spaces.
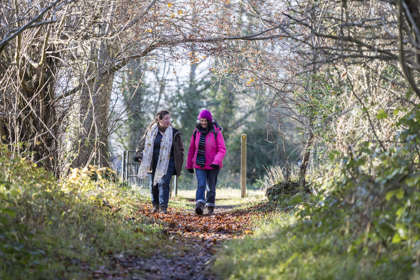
{"x":305,"y":160}
{"x":414,"y":10}
{"x":94,"y":115}
{"x":29,"y":121}
{"x":95,"y":100}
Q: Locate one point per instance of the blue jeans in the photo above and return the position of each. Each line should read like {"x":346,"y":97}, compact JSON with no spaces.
{"x":160,"y":191}
{"x":206,"y":178}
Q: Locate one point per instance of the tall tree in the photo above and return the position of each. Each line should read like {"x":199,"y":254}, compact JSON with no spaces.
{"x":93,"y":40}
{"x":29,"y":63}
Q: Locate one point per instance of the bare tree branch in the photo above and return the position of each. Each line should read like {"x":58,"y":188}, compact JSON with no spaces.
{"x":31,"y":24}
{"x":168,"y":43}
{"x":136,"y":19}
{"x":407,"y":71}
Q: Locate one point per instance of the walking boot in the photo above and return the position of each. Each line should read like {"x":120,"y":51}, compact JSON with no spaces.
{"x":199,"y":208}
{"x":210,"y":210}
{"x":163,"y":209}
{"x":155,"y":209}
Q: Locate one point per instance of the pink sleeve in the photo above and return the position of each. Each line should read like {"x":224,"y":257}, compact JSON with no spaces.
{"x":221,"y":149}
{"x":191,"y":152}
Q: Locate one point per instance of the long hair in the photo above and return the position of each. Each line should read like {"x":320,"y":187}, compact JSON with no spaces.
{"x":159,"y":116}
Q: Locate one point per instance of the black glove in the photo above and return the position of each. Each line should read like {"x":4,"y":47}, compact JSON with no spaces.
{"x":136,"y":159}
{"x":191,"y":170}
{"x":214,"y":166}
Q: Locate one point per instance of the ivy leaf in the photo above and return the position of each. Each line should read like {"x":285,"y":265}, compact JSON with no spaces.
{"x":396,"y":239}
{"x":400,"y":193}
{"x":381,"y":115}
{"x":397,"y":193}
{"x":389,"y":195}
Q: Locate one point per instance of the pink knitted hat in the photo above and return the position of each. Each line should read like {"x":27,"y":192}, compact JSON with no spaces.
{"x":205,"y":114}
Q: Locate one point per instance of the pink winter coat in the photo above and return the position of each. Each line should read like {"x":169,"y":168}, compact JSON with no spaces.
{"x":215,"y":150}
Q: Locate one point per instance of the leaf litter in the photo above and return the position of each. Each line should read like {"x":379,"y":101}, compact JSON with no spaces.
{"x":189,"y":245}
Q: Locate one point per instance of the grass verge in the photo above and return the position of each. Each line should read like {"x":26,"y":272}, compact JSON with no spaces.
{"x":67,"y":229}
{"x":316,"y":246}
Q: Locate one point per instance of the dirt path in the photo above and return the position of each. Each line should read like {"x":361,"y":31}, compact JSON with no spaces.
{"x":193,"y":241}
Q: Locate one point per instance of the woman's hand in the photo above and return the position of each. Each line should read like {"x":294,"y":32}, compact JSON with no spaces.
{"x":214,"y":166}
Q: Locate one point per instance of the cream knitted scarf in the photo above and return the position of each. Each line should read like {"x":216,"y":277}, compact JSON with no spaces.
{"x":164,"y":153}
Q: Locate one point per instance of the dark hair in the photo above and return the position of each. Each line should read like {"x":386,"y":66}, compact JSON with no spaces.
{"x":161,"y":114}
{"x":210,"y":125}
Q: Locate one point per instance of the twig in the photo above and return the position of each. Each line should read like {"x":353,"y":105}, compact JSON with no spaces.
{"x":31,"y":24}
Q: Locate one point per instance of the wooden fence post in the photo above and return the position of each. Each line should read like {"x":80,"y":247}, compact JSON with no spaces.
{"x":123,"y":166}
{"x":176,"y":186}
{"x":126,"y":167}
{"x":243,"y":165}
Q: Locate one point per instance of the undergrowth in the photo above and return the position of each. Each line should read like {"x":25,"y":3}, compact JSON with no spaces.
{"x":52,"y":229}
{"x":361,"y":223}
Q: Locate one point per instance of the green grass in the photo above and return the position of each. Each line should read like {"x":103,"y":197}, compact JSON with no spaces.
{"x":362,"y":223}
{"x":287,"y":247}
{"x":51,"y":229}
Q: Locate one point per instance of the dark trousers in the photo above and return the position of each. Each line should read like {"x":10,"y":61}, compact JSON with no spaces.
{"x":160,"y":191}
{"x":206,"y":186}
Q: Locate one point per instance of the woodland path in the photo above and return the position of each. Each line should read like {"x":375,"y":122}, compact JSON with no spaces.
{"x":192,"y":243}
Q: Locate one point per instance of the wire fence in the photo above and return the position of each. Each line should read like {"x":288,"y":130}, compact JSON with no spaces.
{"x":129,"y":170}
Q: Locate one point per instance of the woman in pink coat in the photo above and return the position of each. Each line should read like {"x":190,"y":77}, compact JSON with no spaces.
{"x":205,"y":155}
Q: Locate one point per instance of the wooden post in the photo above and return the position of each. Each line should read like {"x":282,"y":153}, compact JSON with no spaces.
{"x":126,"y":167}
{"x":176,"y":186}
{"x":122,"y":166}
{"x":173,"y":187}
{"x":243,"y":165}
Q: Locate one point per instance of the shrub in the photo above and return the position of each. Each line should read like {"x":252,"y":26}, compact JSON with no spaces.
{"x":51,"y":229}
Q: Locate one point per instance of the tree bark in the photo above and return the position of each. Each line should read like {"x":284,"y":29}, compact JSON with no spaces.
{"x":92,"y":141}
{"x":305,"y":160}
{"x":30,"y":120}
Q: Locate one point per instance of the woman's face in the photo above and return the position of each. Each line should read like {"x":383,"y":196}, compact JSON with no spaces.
{"x":165,"y":121}
{"x":203,"y":123}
